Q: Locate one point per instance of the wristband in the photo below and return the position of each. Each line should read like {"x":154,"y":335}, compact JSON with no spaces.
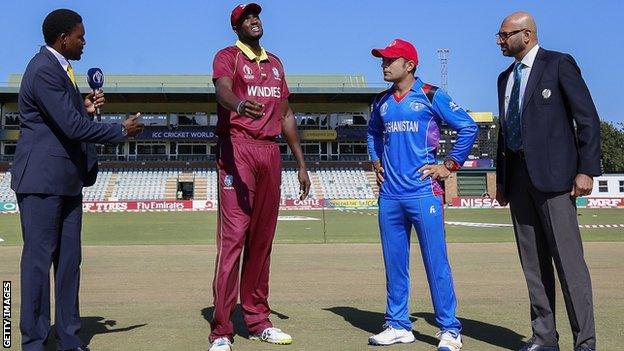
{"x":240,"y":104}
{"x":451,"y":164}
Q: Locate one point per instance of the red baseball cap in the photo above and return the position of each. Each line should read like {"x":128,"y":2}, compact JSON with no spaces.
{"x":398,"y":48}
{"x":240,"y":10}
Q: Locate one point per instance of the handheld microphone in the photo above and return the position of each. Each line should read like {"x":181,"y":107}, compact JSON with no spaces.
{"x":95,"y":78}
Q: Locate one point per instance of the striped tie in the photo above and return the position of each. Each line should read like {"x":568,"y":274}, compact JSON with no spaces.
{"x":70,"y":72}
{"x":514,"y":124}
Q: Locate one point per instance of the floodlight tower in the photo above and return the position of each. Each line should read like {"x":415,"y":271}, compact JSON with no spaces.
{"x":443,"y":55}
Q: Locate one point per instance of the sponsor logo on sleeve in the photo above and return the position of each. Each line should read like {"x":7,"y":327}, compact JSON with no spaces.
{"x":453,"y":106}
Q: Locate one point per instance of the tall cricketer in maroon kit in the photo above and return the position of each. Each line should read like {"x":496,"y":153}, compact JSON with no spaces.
{"x":253,"y":111}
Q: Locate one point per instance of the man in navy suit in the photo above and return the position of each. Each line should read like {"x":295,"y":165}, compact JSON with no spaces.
{"x":548,"y":152}
{"x":54,"y":160}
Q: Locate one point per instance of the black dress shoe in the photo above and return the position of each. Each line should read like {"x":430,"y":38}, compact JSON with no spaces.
{"x":80,"y":348}
{"x":535,"y":347}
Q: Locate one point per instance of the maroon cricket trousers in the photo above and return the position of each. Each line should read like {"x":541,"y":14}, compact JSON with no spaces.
{"x":249,"y":194}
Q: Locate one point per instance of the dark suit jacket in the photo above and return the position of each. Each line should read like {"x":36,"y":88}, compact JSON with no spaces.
{"x":560,"y":125}
{"x":53,"y":154}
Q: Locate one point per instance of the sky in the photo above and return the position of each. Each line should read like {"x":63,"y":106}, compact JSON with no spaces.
{"x":332,"y":37}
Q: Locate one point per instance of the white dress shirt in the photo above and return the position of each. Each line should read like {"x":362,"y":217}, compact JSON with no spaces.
{"x":61,"y":59}
{"x":527,"y":62}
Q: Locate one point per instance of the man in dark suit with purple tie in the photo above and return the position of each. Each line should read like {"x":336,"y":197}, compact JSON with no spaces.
{"x":548,"y":152}
{"x":54,"y":160}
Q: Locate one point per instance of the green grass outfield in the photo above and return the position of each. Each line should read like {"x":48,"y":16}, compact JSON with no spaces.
{"x":332,"y":226}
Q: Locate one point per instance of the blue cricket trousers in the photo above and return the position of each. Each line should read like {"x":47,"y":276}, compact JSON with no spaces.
{"x":396,"y":218}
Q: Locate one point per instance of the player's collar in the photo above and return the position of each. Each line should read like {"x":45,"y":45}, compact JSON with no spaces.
{"x":250,"y":54}
{"x":417,"y":85}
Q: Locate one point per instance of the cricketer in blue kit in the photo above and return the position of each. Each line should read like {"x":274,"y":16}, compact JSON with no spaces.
{"x":403,"y":137}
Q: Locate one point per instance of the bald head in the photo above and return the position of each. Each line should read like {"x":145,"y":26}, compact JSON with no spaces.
{"x":521,"y":20}
{"x":517,"y":34}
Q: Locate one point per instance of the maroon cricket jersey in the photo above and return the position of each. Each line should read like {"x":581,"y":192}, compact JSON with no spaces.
{"x":262,"y":81}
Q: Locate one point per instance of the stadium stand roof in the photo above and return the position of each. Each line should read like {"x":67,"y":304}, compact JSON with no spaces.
{"x":200,"y":88}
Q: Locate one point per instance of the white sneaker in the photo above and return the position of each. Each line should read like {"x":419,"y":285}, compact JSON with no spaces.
{"x":221,"y":344}
{"x":273,"y":336}
{"x":392,"y":336}
{"x":448,"y":341}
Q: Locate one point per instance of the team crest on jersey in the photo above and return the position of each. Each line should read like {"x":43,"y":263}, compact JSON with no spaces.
{"x":276,"y":74}
{"x":416,"y":106}
{"x":228,"y":181}
{"x":383,"y":109}
{"x":453,"y":106}
{"x":248,"y":72}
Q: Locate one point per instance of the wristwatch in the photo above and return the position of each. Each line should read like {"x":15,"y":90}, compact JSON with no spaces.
{"x":451,"y":164}
{"x":124,"y":131}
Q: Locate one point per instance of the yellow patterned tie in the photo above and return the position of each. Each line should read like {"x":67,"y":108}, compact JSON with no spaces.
{"x":70,"y":71}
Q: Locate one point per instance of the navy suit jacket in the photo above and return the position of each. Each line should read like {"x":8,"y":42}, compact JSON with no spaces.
{"x":54,"y":154}
{"x":560,"y":125}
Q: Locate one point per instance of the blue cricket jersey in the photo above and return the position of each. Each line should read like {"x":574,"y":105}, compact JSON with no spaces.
{"x":404,"y":133}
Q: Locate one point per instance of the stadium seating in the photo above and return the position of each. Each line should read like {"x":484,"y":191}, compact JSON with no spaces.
{"x":97,"y":192}
{"x":142,"y":185}
{"x":289,"y":187}
{"x":211,"y":181}
{"x":132,"y":185}
{"x":345,"y":183}
{"x":290,"y":184}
